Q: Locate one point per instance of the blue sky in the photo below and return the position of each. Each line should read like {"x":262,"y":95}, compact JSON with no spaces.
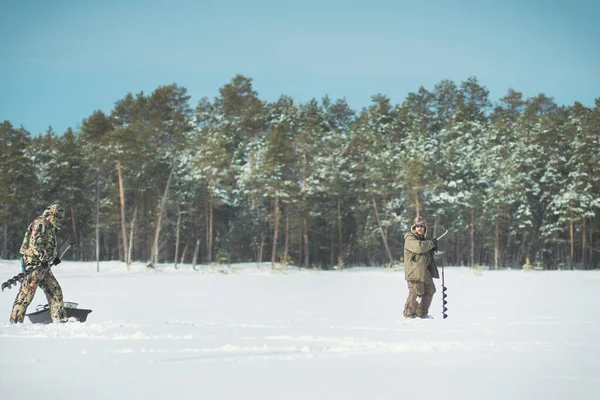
{"x":61,"y":60}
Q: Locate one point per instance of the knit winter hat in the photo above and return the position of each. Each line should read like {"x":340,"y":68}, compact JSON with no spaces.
{"x":420,"y":221}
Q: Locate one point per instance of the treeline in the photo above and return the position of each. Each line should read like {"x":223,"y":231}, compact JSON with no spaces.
{"x":239,"y":179}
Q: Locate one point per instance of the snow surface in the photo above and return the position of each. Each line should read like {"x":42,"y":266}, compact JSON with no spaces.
{"x":241,"y":333}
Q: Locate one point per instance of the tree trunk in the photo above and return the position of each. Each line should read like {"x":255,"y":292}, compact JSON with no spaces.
{"x":177,"y":235}
{"x":5,"y":230}
{"x":275,"y":231}
{"x":497,"y":243}
{"x":522,"y":251}
{"x":339,"y":217}
{"x":5,"y":196}
{"x":304,"y":218}
{"x":305,"y":235}
{"x":583,"y":244}
{"x":160,"y":215}
{"x":571,"y":235}
{"x":195,"y":258}
{"x":123,"y":227}
{"x":417,"y":206}
{"x":98,"y":222}
{"x":260,"y":251}
{"x":207,"y":229}
{"x":381,"y":231}
{"x":131,"y":233}
{"x":472,"y":256}
{"x":209,"y":226}
{"x":591,"y":245}
{"x":185,"y":249}
{"x":287,"y":231}
{"x":331,"y":235}
{"x":210,"y":220}
{"x":73,"y":224}
{"x":458,"y":260}
{"x":385,"y":214}
{"x":300,"y":242}
{"x":72,"y":209}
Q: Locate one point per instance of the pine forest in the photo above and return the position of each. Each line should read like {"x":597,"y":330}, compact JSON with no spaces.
{"x":315,"y":185}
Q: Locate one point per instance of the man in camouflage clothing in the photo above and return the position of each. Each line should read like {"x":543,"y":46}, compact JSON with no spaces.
{"x":38,"y":249}
{"x":419,"y":269}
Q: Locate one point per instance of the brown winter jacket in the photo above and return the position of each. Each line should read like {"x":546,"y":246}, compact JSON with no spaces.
{"x":418,"y":255}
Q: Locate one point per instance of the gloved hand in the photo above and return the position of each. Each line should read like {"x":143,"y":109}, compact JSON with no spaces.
{"x":435,"y":245}
{"x":56,"y":261}
{"x":44,"y":264}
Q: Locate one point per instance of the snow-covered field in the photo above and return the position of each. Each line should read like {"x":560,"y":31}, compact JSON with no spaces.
{"x":250,"y":334}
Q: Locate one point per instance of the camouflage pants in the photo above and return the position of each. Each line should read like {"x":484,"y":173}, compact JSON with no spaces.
{"x":416,"y":289}
{"x":45,"y":279}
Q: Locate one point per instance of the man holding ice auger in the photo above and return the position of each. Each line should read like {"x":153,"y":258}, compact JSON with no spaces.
{"x":419,"y":269}
{"x":39,"y":249}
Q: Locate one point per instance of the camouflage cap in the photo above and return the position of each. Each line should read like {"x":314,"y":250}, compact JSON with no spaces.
{"x":55,"y":209}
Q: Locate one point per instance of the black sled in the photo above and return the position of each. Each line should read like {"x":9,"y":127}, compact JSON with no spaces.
{"x":42,"y":313}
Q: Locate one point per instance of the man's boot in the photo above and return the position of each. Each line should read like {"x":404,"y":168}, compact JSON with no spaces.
{"x":423,"y":309}
{"x":410,"y":308}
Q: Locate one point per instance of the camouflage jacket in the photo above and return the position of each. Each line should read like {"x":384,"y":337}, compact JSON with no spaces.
{"x":39,"y":243}
{"x":418,"y":256}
